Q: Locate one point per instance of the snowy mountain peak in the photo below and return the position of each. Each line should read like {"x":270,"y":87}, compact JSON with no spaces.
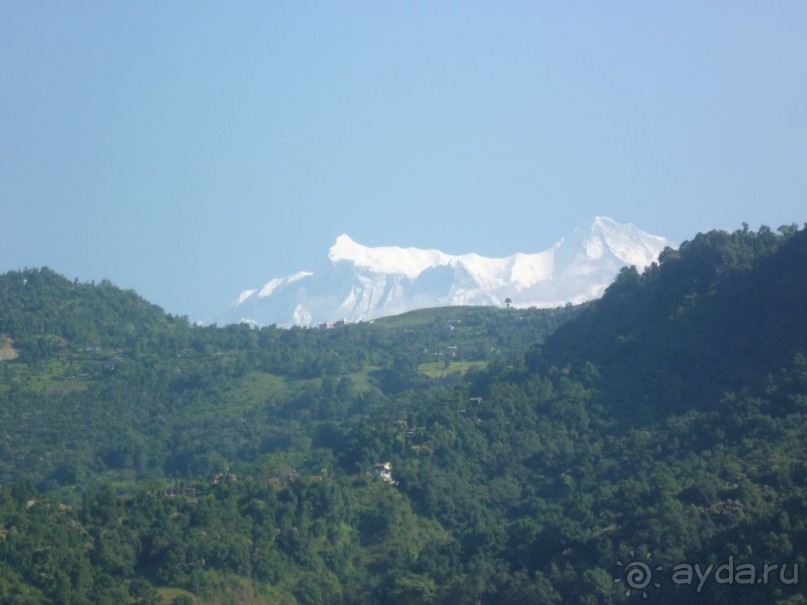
{"x":386,"y":259}
{"x":363,"y":282}
{"x":605,"y":237}
{"x":345,"y":249}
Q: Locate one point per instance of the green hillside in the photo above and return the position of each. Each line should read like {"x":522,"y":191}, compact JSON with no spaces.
{"x":98,"y":383}
{"x":462,"y":455}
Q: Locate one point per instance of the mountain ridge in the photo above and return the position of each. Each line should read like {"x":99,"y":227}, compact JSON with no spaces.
{"x":361,"y":283}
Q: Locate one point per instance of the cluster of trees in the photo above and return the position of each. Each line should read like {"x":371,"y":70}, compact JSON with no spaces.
{"x":667,"y":418}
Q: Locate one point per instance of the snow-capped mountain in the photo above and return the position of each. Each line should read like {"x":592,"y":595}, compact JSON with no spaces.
{"x":361,"y":283}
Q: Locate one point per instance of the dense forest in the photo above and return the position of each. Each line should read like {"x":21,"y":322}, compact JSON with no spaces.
{"x":650,"y":444}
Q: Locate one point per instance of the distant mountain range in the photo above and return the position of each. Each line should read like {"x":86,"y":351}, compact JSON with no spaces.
{"x":360,"y":283}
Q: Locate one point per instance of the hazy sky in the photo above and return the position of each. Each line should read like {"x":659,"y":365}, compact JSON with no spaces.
{"x":190,"y":150}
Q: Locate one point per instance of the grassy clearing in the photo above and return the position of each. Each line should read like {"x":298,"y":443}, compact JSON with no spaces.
{"x":361,"y":380}
{"x":438,"y":369}
{"x":428,"y":317}
{"x":65,"y":387}
{"x":169,"y":594}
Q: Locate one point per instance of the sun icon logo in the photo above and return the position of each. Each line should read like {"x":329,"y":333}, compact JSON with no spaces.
{"x":638,"y":575}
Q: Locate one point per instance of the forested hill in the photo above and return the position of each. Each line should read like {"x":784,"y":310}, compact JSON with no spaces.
{"x":724,"y":312}
{"x":42,"y":310}
{"x":96,"y":380}
{"x":456,"y":456}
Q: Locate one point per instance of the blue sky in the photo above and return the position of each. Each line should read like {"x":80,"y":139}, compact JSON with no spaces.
{"x":190,"y":150}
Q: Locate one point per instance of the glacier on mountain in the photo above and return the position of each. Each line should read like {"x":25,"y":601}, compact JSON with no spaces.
{"x":360,"y":283}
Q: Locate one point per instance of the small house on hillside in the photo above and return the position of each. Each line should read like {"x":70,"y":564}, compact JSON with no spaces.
{"x":382,"y":472}
{"x":226,"y":477}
